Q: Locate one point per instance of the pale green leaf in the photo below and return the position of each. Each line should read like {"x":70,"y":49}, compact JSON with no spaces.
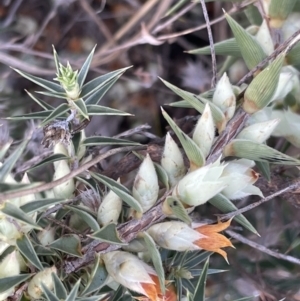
{"x":74,"y":292}
{"x":69,"y":244}
{"x":50,"y":86}
{"x":119,"y":190}
{"x":199,"y":294}
{"x":260,"y":91}
{"x":50,"y":159}
{"x":191,"y":149}
{"x":108,"y":234}
{"x":81,"y":107}
{"x":258,"y":152}
{"x":48,"y":294}
{"x":39,"y":205}
{"x":40,"y":102}
{"x":95,"y":98}
{"x":25,"y":247}
{"x":35,"y":115}
{"x":87,"y":217}
{"x":85,"y":68}
{"x":100,"y":110}
{"x":9,"y":282}
{"x":156,"y":259}
{"x":226,"y":47}
{"x":95,"y":84}
{"x":251,"y":50}
{"x":57,"y":112}
{"x":9,"y":162}
{"x":225,"y":205}
{"x":97,"y":277}
{"x":178,"y":209}
{"x":198,"y":103}
{"x":15,"y":212}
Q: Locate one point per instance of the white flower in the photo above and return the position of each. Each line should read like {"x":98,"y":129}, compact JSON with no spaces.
{"x":240,"y":179}
{"x":198,"y":186}
{"x":172,"y":161}
{"x":145,"y":187}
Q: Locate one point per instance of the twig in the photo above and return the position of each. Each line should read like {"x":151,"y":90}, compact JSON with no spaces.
{"x":103,"y":28}
{"x":81,"y":169}
{"x":211,"y":44}
{"x":262,"y":248}
{"x":128,"y":26}
{"x":291,"y":187}
{"x":158,"y":28}
{"x":191,"y":30}
{"x":33,"y":161}
{"x":63,"y":225}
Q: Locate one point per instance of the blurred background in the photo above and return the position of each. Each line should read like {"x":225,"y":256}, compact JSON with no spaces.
{"x":152,"y":36}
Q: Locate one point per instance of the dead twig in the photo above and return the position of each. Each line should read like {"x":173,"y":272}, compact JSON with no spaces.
{"x":289,"y":188}
{"x":211,"y":45}
{"x":81,"y":169}
{"x":262,"y":248}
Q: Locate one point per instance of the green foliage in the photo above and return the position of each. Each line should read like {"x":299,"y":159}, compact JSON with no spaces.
{"x":52,"y":240}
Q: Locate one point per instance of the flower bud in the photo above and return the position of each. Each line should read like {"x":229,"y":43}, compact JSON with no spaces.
{"x":69,"y":81}
{"x":110,"y":209}
{"x":224,"y":97}
{"x":204,"y":132}
{"x":9,"y":266}
{"x":35,"y":284}
{"x":172,"y":161}
{"x":198,"y":186}
{"x":8,"y":231}
{"x":47,"y":235}
{"x":258,"y":132}
{"x":240,"y":179}
{"x":180,"y":237}
{"x":66,"y":189}
{"x":145,"y":186}
{"x":128,"y":270}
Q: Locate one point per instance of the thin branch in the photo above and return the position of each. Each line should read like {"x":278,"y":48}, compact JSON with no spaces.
{"x":160,"y":27}
{"x":291,"y":187}
{"x":263,"y":248}
{"x":194,"y":29}
{"x":81,"y":169}
{"x":211,"y":44}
